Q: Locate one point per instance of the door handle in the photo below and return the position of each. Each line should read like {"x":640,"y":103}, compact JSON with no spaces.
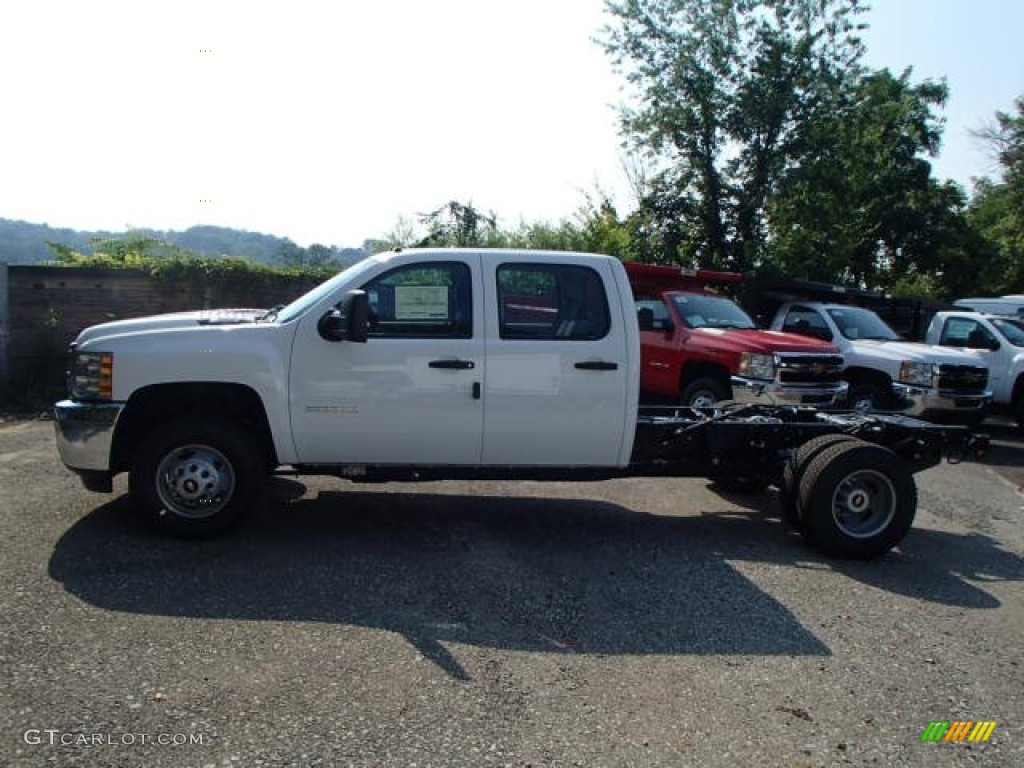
{"x":597,"y":365}
{"x":453,"y":365}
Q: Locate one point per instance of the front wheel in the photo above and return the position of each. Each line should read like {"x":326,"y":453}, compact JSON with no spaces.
{"x":703,"y":393}
{"x":866,"y":398}
{"x":196,"y":479}
{"x":857,"y":500}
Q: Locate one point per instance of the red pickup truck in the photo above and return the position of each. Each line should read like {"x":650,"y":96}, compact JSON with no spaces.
{"x":699,"y":347}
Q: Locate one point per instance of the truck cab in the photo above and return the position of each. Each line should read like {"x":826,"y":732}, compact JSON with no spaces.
{"x":460,"y":358}
{"x":887,"y":373}
{"x":699,"y":347}
{"x":992,"y":340}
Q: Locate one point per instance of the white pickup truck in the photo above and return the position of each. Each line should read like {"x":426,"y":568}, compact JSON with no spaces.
{"x":429,"y":364}
{"x":992,"y":340}
{"x":887,"y":373}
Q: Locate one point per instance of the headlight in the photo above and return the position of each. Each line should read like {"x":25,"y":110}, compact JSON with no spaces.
{"x":918,"y":374}
{"x":91,"y":376}
{"x":757,"y":366}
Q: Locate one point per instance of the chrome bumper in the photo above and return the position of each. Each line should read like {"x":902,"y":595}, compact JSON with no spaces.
{"x":85,"y":433}
{"x":917,"y":401}
{"x":746,"y":390}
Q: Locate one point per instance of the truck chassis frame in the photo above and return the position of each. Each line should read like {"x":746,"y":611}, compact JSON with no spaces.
{"x":845,"y":479}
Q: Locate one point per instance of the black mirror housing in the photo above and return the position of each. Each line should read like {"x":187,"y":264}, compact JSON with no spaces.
{"x":348,"y":321}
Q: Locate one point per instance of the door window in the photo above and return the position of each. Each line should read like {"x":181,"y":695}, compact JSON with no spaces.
{"x":422,"y":301}
{"x":806,"y":322}
{"x":652,"y":314}
{"x":965,"y":332}
{"x":545,"y":301}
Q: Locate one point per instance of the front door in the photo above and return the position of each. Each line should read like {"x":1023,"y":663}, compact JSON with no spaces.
{"x":412,"y":393}
{"x":970,"y":336}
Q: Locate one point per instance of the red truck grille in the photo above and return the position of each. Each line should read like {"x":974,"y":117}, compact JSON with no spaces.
{"x":810,"y":369}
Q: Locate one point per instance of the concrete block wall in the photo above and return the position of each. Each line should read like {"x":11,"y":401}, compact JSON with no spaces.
{"x":42,"y":308}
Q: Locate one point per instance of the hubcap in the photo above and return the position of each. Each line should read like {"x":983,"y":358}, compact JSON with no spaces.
{"x":864,"y":503}
{"x":703,"y":399}
{"x":195,"y":481}
{"x":864,"y":403}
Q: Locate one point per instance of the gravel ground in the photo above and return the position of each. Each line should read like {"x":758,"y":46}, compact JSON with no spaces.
{"x":623,"y":623}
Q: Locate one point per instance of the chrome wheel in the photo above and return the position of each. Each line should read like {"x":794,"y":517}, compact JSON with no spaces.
{"x":195,"y":481}
{"x":864,"y":403}
{"x":703,"y":399}
{"x":864,"y":503}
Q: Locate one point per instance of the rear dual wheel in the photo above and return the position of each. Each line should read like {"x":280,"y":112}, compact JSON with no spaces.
{"x":853,"y":499}
{"x":793,"y":472}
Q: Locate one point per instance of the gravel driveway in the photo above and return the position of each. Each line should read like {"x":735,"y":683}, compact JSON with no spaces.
{"x":623,"y":623}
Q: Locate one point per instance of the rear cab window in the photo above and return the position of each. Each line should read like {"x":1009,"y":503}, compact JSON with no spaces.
{"x":551,"y":301}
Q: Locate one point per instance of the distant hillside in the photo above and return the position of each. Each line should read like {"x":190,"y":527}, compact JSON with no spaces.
{"x":25,"y":243}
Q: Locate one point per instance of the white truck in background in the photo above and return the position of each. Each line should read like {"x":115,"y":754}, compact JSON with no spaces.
{"x":887,"y":373}
{"x":454,"y":364}
{"x":994,"y":341}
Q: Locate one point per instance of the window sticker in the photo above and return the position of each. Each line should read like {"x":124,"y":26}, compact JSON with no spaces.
{"x":421,"y":302}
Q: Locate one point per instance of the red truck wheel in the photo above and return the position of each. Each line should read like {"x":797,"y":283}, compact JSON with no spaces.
{"x":703,"y":393}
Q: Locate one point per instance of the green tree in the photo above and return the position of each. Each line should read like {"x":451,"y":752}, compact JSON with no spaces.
{"x":458,"y":224}
{"x":860,"y":205}
{"x":724,"y":92}
{"x":997,"y":208}
{"x":130,"y":249}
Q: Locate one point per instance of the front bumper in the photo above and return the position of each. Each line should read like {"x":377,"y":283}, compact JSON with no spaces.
{"x":921,"y":401}
{"x":746,"y":390}
{"x":85,"y":433}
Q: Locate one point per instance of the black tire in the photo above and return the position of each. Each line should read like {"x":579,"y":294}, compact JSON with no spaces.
{"x":793,"y":472}
{"x":703,"y":393}
{"x":858,"y":500}
{"x":196,"y":478}
{"x":866,"y":397}
{"x":1018,"y":409}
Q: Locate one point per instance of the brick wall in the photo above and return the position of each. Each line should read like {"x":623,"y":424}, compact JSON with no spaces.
{"x":47,"y":306}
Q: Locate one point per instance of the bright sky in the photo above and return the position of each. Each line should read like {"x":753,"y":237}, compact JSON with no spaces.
{"x":326,"y":121}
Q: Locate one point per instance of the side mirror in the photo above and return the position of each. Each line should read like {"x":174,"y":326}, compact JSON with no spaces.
{"x":981,"y":340}
{"x":349,"y":321}
{"x":645,"y":317}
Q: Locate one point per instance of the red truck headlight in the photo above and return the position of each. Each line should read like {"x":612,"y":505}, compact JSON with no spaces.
{"x":757,"y":366}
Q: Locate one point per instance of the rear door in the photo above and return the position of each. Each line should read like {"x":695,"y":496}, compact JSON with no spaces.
{"x":557,"y":386}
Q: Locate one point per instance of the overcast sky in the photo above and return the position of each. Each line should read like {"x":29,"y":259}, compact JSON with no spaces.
{"x":326,"y":121}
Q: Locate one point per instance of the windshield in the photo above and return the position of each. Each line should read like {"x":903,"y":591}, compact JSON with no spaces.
{"x":1012,"y":330}
{"x":711,"y":312}
{"x":322,"y":291}
{"x":856,"y":323}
